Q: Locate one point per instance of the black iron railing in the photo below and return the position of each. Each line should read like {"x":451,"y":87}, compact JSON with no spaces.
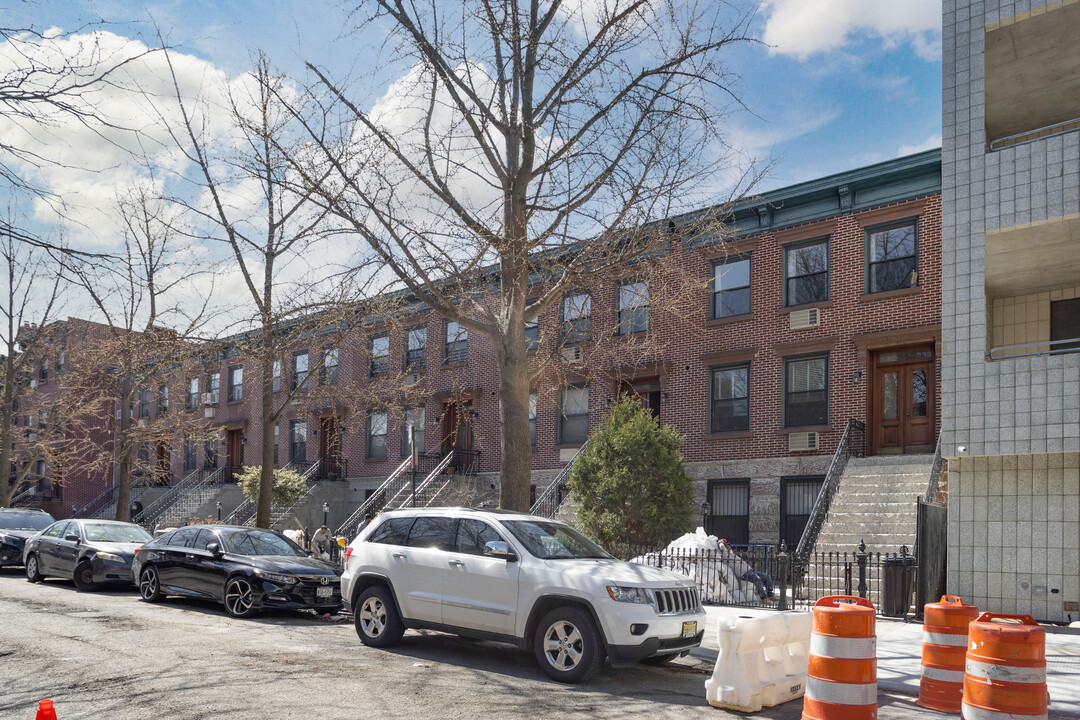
{"x":852,"y":443}
{"x":547,"y":504}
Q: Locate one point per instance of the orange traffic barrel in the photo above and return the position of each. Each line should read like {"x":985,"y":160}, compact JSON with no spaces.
{"x":944,"y":647}
{"x":1005,"y":672}
{"x":841,"y":682}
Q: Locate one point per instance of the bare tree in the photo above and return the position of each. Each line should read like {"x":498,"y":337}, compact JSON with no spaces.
{"x":533,"y":144}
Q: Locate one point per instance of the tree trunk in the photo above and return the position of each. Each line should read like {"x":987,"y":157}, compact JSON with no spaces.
{"x":8,"y":486}
{"x":266,"y":477}
{"x":123,"y":483}
{"x":512,"y":358}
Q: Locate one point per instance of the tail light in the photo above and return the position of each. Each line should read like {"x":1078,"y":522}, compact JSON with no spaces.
{"x":348,"y":553}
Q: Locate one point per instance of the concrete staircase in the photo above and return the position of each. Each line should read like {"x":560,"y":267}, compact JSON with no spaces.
{"x":875,"y":503}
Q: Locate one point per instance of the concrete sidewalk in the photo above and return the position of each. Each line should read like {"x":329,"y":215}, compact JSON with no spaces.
{"x":900,"y":652}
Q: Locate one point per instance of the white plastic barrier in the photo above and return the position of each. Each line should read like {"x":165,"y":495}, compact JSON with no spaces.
{"x":762,"y":661}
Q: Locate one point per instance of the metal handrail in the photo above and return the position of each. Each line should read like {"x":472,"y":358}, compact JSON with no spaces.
{"x":365,"y":507}
{"x":935,"y":474}
{"x":249,"y":508}
{"x":844,"y":450}
{"x":1039,"y":353}
{"x":310,"y":476}
{"x":214,"y":476}
{"x":556,"y":489}
{"x":411,"y":499}
{"x":25,"y":494}
{"x":156,"y":508}
{"x":99,"y":501}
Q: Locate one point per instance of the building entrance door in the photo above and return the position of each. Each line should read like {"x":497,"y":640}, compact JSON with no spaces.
{"x":457,"y":427}
{"x":904,"y":400}
{"x":234,"y":454}
{"x":647,"y":391}
{"x":329,"y":448}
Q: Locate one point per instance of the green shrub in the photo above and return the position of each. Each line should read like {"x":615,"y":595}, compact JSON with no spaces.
{"x":289,"y":486}
{"x":630,"y":480}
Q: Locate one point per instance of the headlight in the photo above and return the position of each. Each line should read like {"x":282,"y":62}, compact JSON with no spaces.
{"x":112,"y":557}
{"x":277,"y":578}
{"x":629,"y":594}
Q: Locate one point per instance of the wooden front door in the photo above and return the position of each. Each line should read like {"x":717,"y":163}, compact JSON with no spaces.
{"x":904,"y":401}
{"x":329,"y":447}
{"x":163,"y":476}
{"x":234,"y":452}
{"x":647,"y":391}
{"x":457,"y":427}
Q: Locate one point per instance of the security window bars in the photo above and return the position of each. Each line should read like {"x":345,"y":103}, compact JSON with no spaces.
{"x":576,"y":318}
{"x":806,"y":272}
{"x":299,"y":369}
{"x":379,"y":348}
{"x":416,"y":350}
{"x":144,"y":403}
{"x":532,"y":419}
{"x":236,"y":383}
{"x":632,"y":307}
{"x":729,"y":510}
{"x":376,"y":435}
{"x":806,"y":391}
{"x":730,"y":399}
{"x":731,"y":287}
{"x":455,"y":342}
{"x":330,"y":366}
{"x":192,"y":400}
{"x":797,"y":498}
{"x":297,"y":441}
{"x":162,"y":399}
{"x":412,"y":417}
{"x":892,"y":257}
{"x":573,"y":415}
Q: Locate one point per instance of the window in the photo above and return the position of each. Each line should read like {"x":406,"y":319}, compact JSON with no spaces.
{"x":474,"y":535}
{"x":415,"y":349}
{"x":330,"y":366}
{"x":806,"y":272}
{"x":632,"y":307}
{"x":1065,"y":324}
{"x":211,"y":453}
{"x":532,"y":334}
{"x":276,"y":378}
{"x":43,"y":374}
{"x":412,"y":417}
{"x":162,"y":399}
{"x":298,"y":441}
{"x":60,"y":363}
{"x":190,"y":455}
{"x":379,"y":346}
{"x":730,"y":399}
{"x":192,"y":400}
{"x":731,"y":287}
{"x":236,"y":384}
{"x":573,"y":415}
{"x":797,"y":497}
{"x":456,"y":348}
{"x":729,"y":508}
{"x":299,"y":369}
{"x":532,"y":419}
{"x":213,"y":385}
{"x":577,"y":318}
{"x":276,"y":443}
{"x":892,"y":257}
{"x":394,"y":531}
{"x":806,"y":391}
{"x":376,"y":435}
{"x":433,"y":532}
{"x":144,"y":403}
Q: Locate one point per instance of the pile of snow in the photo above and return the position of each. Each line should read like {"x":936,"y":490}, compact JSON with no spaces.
{"x":716,"y":569}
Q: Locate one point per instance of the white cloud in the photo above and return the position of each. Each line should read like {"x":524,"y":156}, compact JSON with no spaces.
{"x":934,"y":141}
{"x":805,"y":27}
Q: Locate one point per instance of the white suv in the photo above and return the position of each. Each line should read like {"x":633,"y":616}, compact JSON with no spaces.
{"x":516,"y":578}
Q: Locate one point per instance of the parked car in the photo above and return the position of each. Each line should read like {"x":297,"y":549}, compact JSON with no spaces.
{"x":90,"y":552}
{"x":516,"y":578}
{"x":244,"y":568}
{"x":16,"y":525}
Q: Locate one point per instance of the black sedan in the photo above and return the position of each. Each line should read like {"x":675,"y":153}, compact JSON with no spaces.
{"x":247,"y":569}
{"x":16,"y":526}
{"x":90,"y":552}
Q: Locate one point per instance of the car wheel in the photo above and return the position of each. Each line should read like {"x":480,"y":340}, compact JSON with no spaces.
{"x":150,"y":584}
{"x":377,"y":621}
{"x":568,"y":646}
{"x":84,"y":577}
{"x":33,"y":573}
{"x":657,"y":660}
{"x":239,"y":598}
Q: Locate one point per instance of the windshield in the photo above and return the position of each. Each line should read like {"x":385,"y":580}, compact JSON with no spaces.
{"x":259,"y":542}
{"x":107,"y":532}
{"x":25,"y":520}
{"x":552,"y":541}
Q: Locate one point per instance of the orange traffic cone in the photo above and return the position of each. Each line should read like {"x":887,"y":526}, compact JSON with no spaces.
{"x":45,"y":711}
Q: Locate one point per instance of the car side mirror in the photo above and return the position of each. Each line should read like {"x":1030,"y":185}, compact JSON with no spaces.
{"x":499,"y":549}
{"x":214,"y":548}
{"x":72,"y":537}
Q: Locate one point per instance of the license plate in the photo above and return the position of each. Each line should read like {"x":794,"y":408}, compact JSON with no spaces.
{"x":689,"y":629}
{"x":329,"y":592}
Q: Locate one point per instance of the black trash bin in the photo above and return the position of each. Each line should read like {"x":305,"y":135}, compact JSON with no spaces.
{"x":899,"y":572}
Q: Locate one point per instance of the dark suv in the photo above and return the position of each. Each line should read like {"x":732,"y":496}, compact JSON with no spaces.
{"x":16,"y":525}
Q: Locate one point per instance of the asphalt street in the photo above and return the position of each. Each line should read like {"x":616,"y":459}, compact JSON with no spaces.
{"x":109,"y":655}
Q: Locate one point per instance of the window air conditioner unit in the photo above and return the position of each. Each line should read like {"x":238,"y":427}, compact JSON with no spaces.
{"x":571,"y":355}
{"x":32,"y":436}
{"x":210,"y":398}
{"x":802,"y":442}
{"x":209,"y":412}
{"x":33,"y":384}
{"x":142,"y":422}
{"x":804,"y":319}
{"x":412,"y":378}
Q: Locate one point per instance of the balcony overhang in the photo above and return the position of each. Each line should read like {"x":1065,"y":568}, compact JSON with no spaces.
{"x":1026,"y":259}
{"x":1033,"y":71}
